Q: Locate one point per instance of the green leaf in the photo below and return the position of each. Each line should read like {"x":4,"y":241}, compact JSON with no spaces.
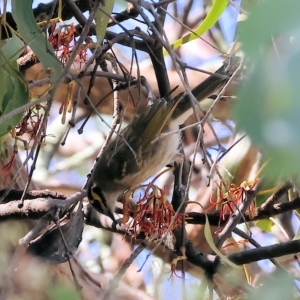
{"x":210,"y":20}
{"x":210,"y":241}
{"x":6,"y":89}
{"x":16,"y":94}
{"x":268,"y":109}
{"x":11,"y":50}
{"x":102,"y":18}
{"x":31,"y":34}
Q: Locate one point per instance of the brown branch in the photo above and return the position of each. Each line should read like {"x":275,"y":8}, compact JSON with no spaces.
{"x":34,"y":194}
{"x":244,"y":235}
{"x":35,"y":206}
{"x":212,"y":264}
{"x":76,"y":11}
{"x":267,"y":252}
{"x":209,"y":263}
{"x":269,"y":203}
{"x":42,"y":10}
{"x":216,"y":220}
{"x":41,"y":13}
{"x":129,"y":13}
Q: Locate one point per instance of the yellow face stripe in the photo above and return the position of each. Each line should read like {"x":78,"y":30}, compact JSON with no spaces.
{"x":97,"y":197}
{"x":98,"y":201}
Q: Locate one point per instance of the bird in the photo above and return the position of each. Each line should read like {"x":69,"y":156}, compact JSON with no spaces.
{"x":139,"y":151}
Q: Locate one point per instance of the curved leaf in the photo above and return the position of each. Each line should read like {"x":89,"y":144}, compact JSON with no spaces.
{"x":210,"y":241}
{"x":36,"y":40}
{"x":210,"y":20}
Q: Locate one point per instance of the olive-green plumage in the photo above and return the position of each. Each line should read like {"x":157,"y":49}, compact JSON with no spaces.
{"x":132,"y":157}
{"x":139,"y":152}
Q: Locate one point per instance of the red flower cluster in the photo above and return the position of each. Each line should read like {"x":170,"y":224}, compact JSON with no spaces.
{"x":154,"y":214}
{"x":229,"y":197}
{"x":63,"y":41}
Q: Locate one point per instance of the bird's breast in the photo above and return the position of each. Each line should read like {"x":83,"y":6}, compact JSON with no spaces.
{"x":160,"y":153}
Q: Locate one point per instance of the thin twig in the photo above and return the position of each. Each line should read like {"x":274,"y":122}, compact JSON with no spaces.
{"x":114,"y":283}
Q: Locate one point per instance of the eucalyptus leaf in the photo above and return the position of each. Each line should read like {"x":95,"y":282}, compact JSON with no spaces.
{"x":211,"y":243}
{"x":34,"y":37}
{"x":6,"y":89}
{"x":102,"y":17}
{"x":14,"y":95}
{"x":11,"y":50}
{"x":269,"y":108}
{"x":8,"y":71}
{"x":217,"y":8}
